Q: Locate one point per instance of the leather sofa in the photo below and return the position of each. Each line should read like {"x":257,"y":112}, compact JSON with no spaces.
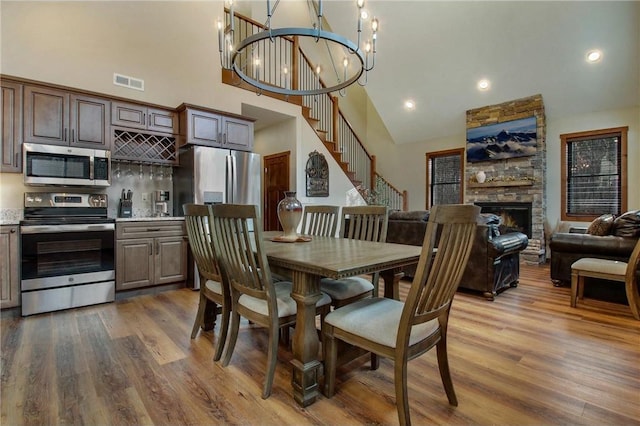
{"x":617,"y":244}
{"x":407,"y":227}
{"x":494,"y":263}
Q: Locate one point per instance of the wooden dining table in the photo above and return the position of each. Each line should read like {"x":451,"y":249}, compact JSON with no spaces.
{"x":306,"y":263}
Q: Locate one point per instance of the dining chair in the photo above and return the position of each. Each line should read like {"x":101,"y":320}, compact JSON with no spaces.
{"x":612,"y":270}
{"x":402,"y":331}
{"x":238,"y":244}
{"x":212,"y":287}
{"x":368,"y":223}
{"x":320,"y":220}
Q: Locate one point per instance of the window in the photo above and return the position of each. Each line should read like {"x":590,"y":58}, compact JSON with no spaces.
{"x":444,"y":177}
{"x":594,"y":173}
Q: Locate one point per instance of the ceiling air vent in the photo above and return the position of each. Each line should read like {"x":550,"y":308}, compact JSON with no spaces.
{"x":126,"y":81}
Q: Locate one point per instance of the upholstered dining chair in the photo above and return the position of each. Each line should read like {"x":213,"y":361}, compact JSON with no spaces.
{"x":612,"y":270}
{"x":403,"y":331}
{"x":367,"y":223}
{"x":212,"y":287}
{"x":238,"y":244}
{"x":320,"y":220}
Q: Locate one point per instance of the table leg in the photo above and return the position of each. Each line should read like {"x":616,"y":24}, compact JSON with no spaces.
{"x":305,"y":344}
{"x":391,"y":279}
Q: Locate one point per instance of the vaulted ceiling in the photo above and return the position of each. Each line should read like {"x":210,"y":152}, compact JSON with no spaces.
{"x":435,"y":53}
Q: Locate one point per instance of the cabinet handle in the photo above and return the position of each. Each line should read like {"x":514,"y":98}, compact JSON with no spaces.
{"x":153,"y":229}
{"x":73,"y":135}
{"x":13,"y":230}
{"x":17,"y":159}
{"x":150,"y":249}
{"x":144,"y":118}
{"x":157,"y":248}
{"x":65,"y":135}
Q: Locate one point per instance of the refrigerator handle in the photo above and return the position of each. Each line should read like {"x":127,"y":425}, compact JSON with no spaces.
{"x":230,"y":179}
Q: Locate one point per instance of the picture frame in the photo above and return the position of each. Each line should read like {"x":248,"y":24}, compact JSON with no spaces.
{"x":499,"y":141}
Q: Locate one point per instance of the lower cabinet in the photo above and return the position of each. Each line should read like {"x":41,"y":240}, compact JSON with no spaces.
{"x":9,"y":267}
{"x":150,"y":253}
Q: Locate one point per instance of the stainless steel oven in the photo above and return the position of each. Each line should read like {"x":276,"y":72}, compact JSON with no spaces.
{"x":67,"y":252}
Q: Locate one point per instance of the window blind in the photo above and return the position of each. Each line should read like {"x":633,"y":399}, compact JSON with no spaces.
{"x":593,"y":177}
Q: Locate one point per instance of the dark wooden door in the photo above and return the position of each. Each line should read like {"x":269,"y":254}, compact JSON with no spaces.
{"x":276,"y":181}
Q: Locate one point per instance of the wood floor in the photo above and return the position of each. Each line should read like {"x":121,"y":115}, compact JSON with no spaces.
{"x":525,"y":359}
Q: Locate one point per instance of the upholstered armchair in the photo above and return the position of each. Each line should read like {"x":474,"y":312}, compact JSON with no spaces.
{"x":494,"y":264}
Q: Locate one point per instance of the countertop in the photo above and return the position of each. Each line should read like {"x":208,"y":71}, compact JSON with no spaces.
{"x":9,"y":222}
{"x":148,"y":218}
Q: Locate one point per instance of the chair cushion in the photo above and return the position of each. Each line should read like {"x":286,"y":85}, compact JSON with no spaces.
{"x":601,"y":225}
{"x":605,"y":266}
{"x":377,"y":319}
{"x":214,"y":286}
{"x":346,"y":287}
{"x":286,"y":305}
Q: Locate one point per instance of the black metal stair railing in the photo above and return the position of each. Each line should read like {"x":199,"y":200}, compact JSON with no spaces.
{"x":281,"y":62}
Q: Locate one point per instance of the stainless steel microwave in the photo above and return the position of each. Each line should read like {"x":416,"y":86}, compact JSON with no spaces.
{"x":65,"y":166}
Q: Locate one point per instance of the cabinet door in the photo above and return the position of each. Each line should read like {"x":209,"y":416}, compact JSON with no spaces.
{"x":46,"y":115}
{"x":203,"y":128}
{"x":237,"y":134}
{"x":128,"y":115}
{"x":9,"y":272}
{"x":11,"y":104}
{"x":89,"y":122}
{"x":170,"y":259}
{"x":134,"y":263}
{"x":161,"y":120}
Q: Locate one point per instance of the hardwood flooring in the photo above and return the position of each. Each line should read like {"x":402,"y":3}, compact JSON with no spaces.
{"x":525,"y":359}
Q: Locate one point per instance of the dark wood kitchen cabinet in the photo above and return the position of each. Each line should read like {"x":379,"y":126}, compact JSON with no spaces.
{"x":9,"y":267}
{"x":150,"y":253}
{"x":58,"y":117}
{"x":11,"y":103}
{"x":136,"y":116}
{"x":199,"y":126}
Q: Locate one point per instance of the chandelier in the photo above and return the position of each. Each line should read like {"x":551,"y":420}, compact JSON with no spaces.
{"x":267,"y":58}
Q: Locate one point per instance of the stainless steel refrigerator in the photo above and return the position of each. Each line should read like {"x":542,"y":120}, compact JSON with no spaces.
{"x":213,"y":175}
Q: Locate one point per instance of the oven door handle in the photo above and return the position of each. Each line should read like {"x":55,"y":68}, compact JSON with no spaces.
{"x":76,"y":227}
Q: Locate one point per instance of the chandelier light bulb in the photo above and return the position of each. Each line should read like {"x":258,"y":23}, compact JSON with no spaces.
{"x":367,"y":46}
{"x":345,"y":62}
{"x":360,"y":4}
{"x":364,"y":15}
{"x":374,"y":25}
{"x":219,"y":24}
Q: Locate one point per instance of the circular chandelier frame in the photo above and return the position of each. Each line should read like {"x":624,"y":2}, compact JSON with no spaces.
{"x":351,"y":47}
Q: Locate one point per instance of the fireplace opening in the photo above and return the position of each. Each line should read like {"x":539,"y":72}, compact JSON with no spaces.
{"x":515,"y":217}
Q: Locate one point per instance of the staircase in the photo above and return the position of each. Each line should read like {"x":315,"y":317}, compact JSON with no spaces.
{"x":322,"y":112}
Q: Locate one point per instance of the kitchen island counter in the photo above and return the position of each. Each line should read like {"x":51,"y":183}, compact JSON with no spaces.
{"x":148,"y":218}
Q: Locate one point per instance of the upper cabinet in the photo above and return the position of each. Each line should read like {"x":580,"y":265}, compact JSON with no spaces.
{"x":11,"y":103}
{"x":199,"y":126}
{"x":58,"y":117}
{"x":141,"y":117}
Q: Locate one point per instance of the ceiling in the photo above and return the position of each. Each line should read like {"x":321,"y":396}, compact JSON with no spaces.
{"x":435,"y":53}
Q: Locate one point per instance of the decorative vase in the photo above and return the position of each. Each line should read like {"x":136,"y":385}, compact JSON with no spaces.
{"x":481,"y":176}
{"x":289,"y":215}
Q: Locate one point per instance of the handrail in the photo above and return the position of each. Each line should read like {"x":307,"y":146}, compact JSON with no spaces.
{"x":328,"y":120}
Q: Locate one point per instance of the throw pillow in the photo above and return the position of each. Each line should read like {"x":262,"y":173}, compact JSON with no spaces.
{"x":627,"y":225}
{"x":602,"y":225}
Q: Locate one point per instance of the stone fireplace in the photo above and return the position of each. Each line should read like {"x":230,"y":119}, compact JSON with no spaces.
{"x":514,"y":182}
{"x":514,"y":217}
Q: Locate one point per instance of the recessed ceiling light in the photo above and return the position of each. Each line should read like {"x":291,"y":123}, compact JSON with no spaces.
{"x":483,"y":84}
{"x":409,"y":105}
{"x":594,"y":56}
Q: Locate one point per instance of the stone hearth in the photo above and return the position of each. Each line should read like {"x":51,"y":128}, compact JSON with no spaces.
{"x":514,"y":180}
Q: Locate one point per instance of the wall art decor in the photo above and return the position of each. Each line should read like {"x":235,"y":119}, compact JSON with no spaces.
{"x":516,"y":138}
{"x":317,"y":175}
